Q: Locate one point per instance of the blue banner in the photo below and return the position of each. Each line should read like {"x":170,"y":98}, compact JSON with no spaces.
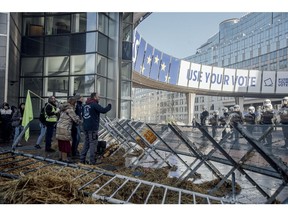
{"x":147,"y":61}
{"x":140,"y":55}
{"x":155,"y":64}
{"x":174,"y":71}
{"x":164,"y":68}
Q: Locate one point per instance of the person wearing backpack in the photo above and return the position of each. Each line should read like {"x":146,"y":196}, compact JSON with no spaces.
{"x":42,"y":125}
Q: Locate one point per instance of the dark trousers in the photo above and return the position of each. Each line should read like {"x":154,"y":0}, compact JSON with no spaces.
{"x":75,"y":139}
{"x":49,"y":134}
{"x":91,"y":141}
{"x":285,"y":133}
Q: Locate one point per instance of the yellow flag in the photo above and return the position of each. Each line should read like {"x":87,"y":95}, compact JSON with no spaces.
{"x":28,"y":114}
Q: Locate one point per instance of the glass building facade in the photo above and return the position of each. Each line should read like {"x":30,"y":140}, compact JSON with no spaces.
{"x":255,"y":41}
{"x":64,"y":53}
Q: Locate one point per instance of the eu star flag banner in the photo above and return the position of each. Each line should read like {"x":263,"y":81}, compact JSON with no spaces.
{"x":28,"y":114}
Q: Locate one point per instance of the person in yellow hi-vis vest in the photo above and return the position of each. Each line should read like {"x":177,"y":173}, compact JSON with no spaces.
{"x":51,"y":117}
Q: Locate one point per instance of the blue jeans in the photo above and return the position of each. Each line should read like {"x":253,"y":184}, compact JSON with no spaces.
{"x":18,"y":130}
{"x":91,"y":140}
{"x":42,"y":134}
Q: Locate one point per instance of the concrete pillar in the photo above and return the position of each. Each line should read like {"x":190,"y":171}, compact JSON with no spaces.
{"x":240,"y":102}
{"x":190,"y":97}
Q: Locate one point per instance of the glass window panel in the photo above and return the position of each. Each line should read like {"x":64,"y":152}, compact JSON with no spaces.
{"x":101,"y":86}
{"x":101,"y":65}
{"x":102,"y":44}
{"x":103,"y":23}
{"x":83,"y":64}
{"x":125,"y":90}
{"x":57,"y":86}
{"x":128,"y":17}
{"x":83,"y":85}
{"x":56,"y":66}
{"x":91,"y":21}
{"x":32,"y":46}
{"x":58,"y":24}
{"x":91,"y":39}
{"x":112,"y":113}
{"x":112,"y":69}
{"x":3,"y":28}
{"x":32,"y":66}
{"x":57,"y":45}
{"x":111,"y":88}
{"x":32,"y":84}
{"x":2,"y":63}
{"x":33,"y":26}
{"x":78,"y":22}
{"x":126,"y":50}
{"x":125,"y":109}
{"x":127,"y":32}
{"x":126,"y":70}
{"x":81,"y":43}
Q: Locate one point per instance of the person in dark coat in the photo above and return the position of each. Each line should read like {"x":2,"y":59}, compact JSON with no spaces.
{"x":76,"y":132}
{"x":91,"y":119}
{"x":17,"y":122}
{"x":6,"y":127}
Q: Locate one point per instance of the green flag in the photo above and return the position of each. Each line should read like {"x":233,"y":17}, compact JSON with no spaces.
{"x":28,"y":114}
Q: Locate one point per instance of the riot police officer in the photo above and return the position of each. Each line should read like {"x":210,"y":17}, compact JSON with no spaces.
{"x":236,"y":117}
{"x":283,"y":114}
{"x":203,"y":118}
{"x":250,"y":119}
{"x":267,"y":119}
{"x":223,"y":120}
{"x":213,"y":121}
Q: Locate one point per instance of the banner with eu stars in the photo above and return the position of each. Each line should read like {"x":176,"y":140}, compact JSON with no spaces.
{"x":164,"y":68}
{"x":155,"y":64}
{"x":147,"y":61}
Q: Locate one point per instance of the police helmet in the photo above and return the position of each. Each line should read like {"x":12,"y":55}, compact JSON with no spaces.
{"x":251,"y":109}
{"x":266,"y":101}
{"x":225,"y":110}
{"x":236,"y":108}
{"x":268,"y":107}
{"x":285,"y":101}
{"x":216,"y":112}
{"x":231,"y":109}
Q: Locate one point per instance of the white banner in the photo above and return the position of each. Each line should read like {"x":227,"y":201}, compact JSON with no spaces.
{"x":254,"y":82}
{"x":268,"y":81}
{"x":194,"y":75}
{"x":240,"y":80}
{"x":282,"y":82}
{"x":206,"y":77}
{"x":227,"y":79}
{"x":184,"y":70}
{"x":217,"y":79}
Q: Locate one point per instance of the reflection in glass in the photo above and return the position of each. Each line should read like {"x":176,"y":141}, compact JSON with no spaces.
{"x":57,"y":45}
{"x":126,"y":70}
{"x":57,"y":86}
{"x":32,"y":46}
{"x":102,"y":44}
{"x":32,"y":66}
{"x":32,"y":84}
{"x":58,"y":24}
{"x":126,"y":89}
{"x":125,"y":109}
{"x":83,"y":64}
{"x":101,"y":86}
{"x":84,"y":85}
{"x":56,"y":66}
{"x":111,"y":88}
{"x":33,"y":26}
{"x":101,"y":65}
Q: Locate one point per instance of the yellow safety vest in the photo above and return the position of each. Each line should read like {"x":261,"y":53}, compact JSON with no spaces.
{"x":52,"y":118}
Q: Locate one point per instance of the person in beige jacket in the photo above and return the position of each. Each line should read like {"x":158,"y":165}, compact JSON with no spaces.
{"x":64,"y":127}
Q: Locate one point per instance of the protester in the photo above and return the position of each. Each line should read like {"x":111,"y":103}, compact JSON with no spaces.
{"x":76,"y":132}
{"x":6,"y":127}
{"x":203,"y":118}
{"x":17,"y":123}
{"x":52,"y":116}
{"x":64,"y":128}
{"x":42,"y":125}
{"x":236,"y":117}
{"x":223,"y":120}
{"x":91,"y":119}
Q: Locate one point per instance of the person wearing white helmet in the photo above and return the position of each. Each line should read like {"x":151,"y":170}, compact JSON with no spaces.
{"x":223,"y":120}
{"x":235,"y":118}
{"x":267,"y":119}
{"x":213,"y":121}
{"x":250,"y":119}
{"x":283,"y":114}
{"x":203,"y":118}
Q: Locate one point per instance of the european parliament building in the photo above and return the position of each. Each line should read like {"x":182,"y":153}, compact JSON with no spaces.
{"x":64,"y":53}
{"x":256,"y":41}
